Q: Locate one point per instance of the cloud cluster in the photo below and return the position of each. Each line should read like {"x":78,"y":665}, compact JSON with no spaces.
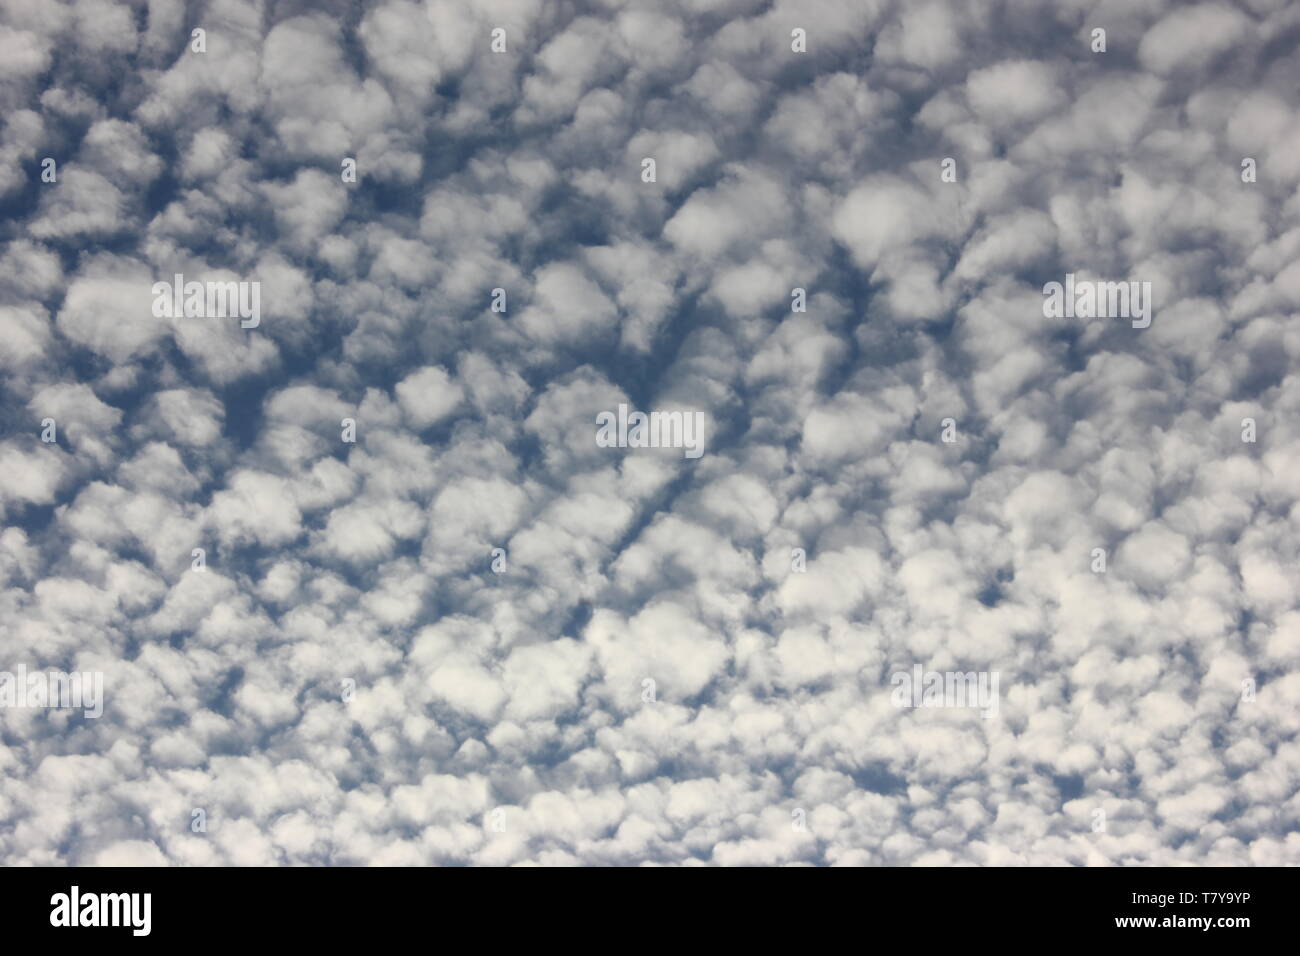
{"x":463,"y":632}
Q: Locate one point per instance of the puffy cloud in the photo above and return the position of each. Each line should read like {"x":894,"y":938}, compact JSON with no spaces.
{"x":428,"y":396}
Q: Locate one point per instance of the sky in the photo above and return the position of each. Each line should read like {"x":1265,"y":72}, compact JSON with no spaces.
{"x":475,"y":635}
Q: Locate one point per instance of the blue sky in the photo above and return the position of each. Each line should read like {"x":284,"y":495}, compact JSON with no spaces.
{"x":651,"y":675}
